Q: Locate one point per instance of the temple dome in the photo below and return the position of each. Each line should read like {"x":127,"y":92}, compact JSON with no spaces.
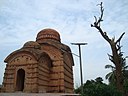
{"x":31,"y":44}
{"x":48,"y":34}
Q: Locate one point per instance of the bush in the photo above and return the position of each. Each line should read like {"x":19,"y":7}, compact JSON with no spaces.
{"x":97,"y":88}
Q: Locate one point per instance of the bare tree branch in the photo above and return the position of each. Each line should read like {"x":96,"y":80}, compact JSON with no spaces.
{"x":95,"y":18}
{"x":120,"y":38}
{"x":97,"y":23}
{"x":101,"y":16}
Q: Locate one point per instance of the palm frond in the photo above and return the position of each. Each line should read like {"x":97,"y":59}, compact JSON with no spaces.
{"x":126,"y":67}
{"x":112,"y":78}
{"x":108,"y":75}
{"x":109,"y":66}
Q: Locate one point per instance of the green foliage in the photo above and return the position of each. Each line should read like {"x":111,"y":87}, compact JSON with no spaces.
{"x":111,"y":76}
{"x":98,"y":88}
{"x":126,"y":85}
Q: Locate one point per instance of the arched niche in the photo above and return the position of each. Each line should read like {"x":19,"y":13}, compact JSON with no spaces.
{"x":20,"y":80}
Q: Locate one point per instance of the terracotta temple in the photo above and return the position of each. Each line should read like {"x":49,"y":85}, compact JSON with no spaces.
{"x":44,"y":65}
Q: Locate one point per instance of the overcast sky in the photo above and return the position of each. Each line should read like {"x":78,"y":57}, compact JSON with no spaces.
{"x":21,"y":20}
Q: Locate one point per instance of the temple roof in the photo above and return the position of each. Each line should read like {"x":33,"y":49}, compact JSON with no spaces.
{"x":48,"y":34}
{"x":31,"y":44}
{"x":32,"y":51}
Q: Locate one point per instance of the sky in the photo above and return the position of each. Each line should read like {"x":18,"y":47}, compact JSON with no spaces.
{"x":21,"y":20}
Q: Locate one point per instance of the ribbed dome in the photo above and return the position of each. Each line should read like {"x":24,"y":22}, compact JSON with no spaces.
{"x":31,"y":44}
{"x":48,"y":34}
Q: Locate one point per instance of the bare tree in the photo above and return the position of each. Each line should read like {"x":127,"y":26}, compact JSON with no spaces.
{"x":116,"y":56}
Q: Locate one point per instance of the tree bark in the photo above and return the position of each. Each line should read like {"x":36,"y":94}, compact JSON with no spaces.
{"x":118,"y":66}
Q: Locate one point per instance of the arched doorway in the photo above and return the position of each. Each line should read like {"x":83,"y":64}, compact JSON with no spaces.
{"x":20,"y":80}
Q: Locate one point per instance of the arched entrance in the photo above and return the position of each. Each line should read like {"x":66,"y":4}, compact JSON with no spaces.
{"x":20,"y":80}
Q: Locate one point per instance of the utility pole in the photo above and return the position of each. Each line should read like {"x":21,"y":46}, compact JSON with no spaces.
{"x":79,"y":46}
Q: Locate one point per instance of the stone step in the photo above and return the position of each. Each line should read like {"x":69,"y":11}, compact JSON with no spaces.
{"x":37,"y":94}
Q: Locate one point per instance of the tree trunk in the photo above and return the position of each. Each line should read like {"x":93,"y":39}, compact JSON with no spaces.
{"x":118,"y":64}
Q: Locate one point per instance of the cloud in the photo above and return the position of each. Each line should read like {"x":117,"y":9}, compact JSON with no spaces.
{"x":21,"y":20}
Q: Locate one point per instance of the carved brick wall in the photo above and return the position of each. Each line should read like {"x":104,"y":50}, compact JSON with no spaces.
{"x":40,"y":66}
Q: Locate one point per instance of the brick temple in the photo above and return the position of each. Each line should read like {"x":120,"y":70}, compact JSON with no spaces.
{"x":44,"y":65}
